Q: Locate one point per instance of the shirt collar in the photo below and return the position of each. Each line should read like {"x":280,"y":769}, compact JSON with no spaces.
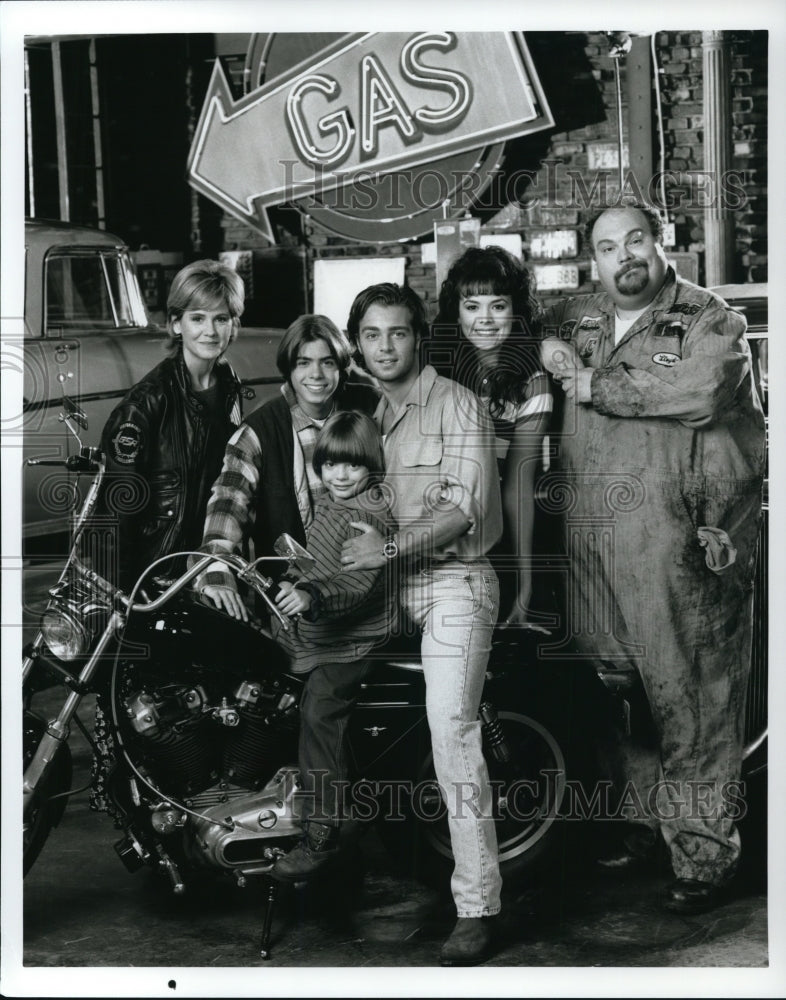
{"x":418,"y":394}
{"x":352,"y":503}
{"x":300,"y":419}
{"x":667,"y":292}
{"x":226,"y":378}
{"x":664,"y":297}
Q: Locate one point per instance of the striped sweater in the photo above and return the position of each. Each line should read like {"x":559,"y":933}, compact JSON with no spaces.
{"x":351,"y":611}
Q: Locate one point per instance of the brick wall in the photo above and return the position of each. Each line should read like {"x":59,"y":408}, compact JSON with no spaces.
{"x":564,"y":182}
{"x":680,"y":56}
{"x":552,"y":201}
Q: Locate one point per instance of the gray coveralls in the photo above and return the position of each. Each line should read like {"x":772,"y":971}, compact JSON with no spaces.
{"x":673,"y":441}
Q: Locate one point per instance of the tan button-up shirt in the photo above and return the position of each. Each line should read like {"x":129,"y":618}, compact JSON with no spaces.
{"x":439,"y":454}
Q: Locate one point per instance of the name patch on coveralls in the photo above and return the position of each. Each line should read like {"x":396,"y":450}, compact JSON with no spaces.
{"x":665,"y":358}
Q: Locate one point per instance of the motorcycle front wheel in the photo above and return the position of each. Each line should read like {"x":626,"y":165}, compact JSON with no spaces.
{"x":46,"y":811}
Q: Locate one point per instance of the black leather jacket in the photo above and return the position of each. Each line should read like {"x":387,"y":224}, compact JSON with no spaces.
{"x":164,"y":447}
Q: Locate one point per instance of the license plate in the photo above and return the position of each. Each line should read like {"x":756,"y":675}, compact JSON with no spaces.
{"x":555,"y":277}
{"x":553,"y":244}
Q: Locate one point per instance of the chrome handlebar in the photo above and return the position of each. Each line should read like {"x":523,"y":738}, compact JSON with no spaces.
{"x":91,"y":460}
{"x":246,"y":572}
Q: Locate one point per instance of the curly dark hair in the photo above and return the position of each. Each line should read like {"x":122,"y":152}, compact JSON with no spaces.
{"x":650,"y":214}
{"x":487,"y":271}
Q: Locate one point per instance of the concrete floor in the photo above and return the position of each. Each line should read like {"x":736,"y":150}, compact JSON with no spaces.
{"x":82,"y":908}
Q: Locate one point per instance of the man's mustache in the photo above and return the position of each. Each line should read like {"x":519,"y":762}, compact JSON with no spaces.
{"x":629,"y":267}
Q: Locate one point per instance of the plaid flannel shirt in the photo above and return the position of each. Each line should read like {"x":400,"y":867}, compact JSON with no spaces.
{"x":230,"y":508}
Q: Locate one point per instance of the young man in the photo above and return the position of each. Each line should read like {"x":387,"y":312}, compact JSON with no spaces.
{"x":663,"y":444}
{"x":444,"y":487}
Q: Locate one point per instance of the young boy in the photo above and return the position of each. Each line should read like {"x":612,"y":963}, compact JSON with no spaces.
{"x":338,"y":617}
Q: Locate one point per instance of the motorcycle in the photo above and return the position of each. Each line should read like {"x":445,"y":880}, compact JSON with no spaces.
{"x":201,"y":726}
{"x":200,"y":720}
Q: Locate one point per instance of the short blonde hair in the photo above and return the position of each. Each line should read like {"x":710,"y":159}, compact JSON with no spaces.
{"x":204,"y":284}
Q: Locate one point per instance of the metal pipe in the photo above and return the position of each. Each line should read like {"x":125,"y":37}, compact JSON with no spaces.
{"x":97,"y":149}
{"x":60,"y":127}
{"x":639,"y":90}
{"x":618,"y":86}
{"x":718,"y":219}
{"x":29,"y":127}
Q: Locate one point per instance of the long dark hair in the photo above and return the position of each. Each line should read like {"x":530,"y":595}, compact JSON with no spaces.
{"x":487,"y":271}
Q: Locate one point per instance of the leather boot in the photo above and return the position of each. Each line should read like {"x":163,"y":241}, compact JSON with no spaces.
{"x":317,"y":850}
{"x":687,"y":895}
{"x":636,"y":847}
{"x":470,"y":942}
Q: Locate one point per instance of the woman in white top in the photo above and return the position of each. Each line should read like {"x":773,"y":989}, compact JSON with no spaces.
{"x":485,"y":337}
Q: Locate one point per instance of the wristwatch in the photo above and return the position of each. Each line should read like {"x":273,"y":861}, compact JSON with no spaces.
{"x":390,"y":548}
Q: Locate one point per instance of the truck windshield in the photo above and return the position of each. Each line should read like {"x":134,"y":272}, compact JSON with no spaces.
{"x":91,"y":291}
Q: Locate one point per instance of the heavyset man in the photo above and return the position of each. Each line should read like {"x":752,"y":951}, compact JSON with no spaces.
{"x":444,"y":488}
{"x":663,"y":445}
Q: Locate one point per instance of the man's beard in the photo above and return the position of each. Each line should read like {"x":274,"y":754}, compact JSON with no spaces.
{"x":632,"y":280}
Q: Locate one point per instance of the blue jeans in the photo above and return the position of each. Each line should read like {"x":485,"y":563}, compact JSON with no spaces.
{"x":456,"y":605}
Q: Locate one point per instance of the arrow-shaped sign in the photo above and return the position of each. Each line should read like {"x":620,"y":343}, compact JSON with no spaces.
{"x":369,"y":103}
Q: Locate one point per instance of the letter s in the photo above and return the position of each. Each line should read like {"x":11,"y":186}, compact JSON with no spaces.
{"x":455,"y":84}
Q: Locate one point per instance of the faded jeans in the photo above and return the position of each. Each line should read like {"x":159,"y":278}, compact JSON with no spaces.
{"x":455,"y":605}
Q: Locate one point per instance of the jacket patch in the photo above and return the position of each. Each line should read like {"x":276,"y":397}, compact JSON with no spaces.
{"x":567,"y":328}
{"x":590,"y":323}
{"x":670,"y":328}
{"x":666,"y":358}
{"x":588,"y":348}
{"x":686,"y":308}
{"x":127,"y":443}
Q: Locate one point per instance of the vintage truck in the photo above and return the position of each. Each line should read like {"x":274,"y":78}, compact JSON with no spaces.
{"x":87,"y":334}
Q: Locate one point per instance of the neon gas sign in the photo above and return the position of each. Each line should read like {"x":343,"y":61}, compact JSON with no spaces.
{"x":380,"y":104}
{"x":371,"y":103}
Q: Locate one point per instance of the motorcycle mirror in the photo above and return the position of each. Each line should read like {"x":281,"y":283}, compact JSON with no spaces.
{"x":286,"y":546}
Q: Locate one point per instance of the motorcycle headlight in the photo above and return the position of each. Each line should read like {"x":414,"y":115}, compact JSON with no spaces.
{"x":64,"y":634}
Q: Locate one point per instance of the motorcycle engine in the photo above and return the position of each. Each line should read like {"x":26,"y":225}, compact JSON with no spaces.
{"x":191,"y":738}
{"x":212,"y":742}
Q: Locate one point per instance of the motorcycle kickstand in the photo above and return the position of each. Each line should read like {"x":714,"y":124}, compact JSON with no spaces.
{"x":272,"y":895}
